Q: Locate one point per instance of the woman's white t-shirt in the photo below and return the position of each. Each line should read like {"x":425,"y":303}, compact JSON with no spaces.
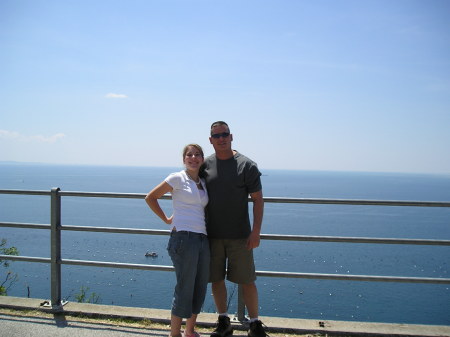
{"x":188,"y":203}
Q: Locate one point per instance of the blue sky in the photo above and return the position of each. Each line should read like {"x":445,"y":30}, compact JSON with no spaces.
{"x":307,"y":85}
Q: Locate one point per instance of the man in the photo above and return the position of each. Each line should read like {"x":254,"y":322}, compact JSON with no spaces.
{"x":230,"y":179}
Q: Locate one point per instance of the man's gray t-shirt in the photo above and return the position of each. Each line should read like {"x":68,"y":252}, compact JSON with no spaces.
{"x":229,"y":183}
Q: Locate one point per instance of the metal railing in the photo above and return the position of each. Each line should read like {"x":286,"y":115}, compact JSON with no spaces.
{"x":56,"y":261}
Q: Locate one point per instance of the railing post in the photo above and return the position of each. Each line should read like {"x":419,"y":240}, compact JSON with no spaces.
{"x":55,"y":249}
{"x":240,"y":305}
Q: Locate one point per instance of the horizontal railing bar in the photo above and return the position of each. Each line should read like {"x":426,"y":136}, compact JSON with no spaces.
{"x":356,"y":239}
{"x":274,"y":236}
{"x":87,"y":263}
{"x":116,"y":265}
{"x":116,"y":230}
{"x":266,"y":199}
{"x":316,"y":276}
{"x":25,"y":258}
{"x":358,"y":202}
{"x":25,"y":225}
{"x":105,"y":195}
{"x":354,"y":277}
{"x":263,"y":236}
{"x":26,"y":192}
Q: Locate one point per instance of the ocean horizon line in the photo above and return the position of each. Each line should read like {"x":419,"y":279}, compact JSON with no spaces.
{"x":262,"y":169}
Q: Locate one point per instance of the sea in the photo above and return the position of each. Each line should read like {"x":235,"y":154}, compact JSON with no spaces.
{"x":388,"y":302}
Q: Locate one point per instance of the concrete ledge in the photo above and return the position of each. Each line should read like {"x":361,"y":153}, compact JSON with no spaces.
{"x":274,"y":324}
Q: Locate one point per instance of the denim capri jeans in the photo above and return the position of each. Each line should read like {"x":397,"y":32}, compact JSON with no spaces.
{"x":190,"y":256}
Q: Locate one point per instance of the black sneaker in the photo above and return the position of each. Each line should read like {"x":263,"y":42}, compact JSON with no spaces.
{"x":223,"y":327}
{"x":257,"y":329}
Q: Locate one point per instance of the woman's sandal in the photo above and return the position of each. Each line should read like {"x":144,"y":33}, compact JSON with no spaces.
{"x":195,"y":334}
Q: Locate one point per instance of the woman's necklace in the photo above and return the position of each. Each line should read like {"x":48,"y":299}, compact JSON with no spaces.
{"x":197,"y":182}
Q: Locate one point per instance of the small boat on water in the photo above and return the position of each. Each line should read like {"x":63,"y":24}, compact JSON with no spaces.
{"x":151,"y":254}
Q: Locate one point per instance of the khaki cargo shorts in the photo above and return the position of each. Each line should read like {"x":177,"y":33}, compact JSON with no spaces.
{"x":241,"y":266}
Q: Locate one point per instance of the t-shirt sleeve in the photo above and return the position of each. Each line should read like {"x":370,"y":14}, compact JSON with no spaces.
{"x":253,"y":178}
{"x":174,"y":180}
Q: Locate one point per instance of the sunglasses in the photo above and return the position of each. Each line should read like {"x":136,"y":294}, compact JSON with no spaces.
{"x":218,"y":135}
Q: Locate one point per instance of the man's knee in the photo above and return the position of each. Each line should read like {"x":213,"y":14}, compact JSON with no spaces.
{"x":248,"y":286}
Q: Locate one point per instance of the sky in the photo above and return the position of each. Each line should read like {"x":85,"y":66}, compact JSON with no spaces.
{"x":304,"y":85}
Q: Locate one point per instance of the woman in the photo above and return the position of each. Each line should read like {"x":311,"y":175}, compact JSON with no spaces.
{"x":188,"y":245}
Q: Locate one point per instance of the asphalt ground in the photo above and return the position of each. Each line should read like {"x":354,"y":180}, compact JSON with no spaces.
{"x":19,"y":323}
